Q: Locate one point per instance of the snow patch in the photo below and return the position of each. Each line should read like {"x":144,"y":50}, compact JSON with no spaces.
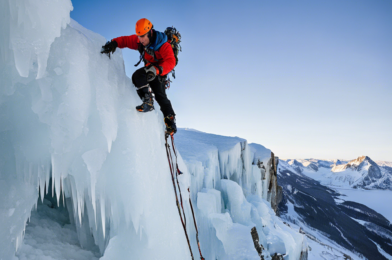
{"x":385,"y":254}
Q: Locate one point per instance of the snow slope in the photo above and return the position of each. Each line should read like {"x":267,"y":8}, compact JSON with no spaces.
{"x":68,"y":127}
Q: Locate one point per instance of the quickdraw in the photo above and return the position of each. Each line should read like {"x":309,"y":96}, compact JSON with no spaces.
{"x":182,"y":216}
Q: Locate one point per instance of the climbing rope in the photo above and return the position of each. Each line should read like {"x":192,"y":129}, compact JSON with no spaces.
{"x":178,"y":172}
{"x":178,"y":184}
{"x":175,"y":192}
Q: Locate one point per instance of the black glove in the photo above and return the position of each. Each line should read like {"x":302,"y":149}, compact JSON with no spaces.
{"x":151,"y":73}
{"x":109,"y":47}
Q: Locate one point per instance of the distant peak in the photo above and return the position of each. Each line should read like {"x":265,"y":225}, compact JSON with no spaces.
{"x":359,"y":160}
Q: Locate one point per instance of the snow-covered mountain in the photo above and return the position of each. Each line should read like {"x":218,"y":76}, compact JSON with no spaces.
{"x":83,"y":175}
{"x":336,"y":226}
{"x":362,"y":172}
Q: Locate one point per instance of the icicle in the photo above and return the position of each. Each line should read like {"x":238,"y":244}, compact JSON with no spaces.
{"x":42,"y":191}
{"x":103,"y":216}
{"x":80,"y":208}
{"x":56,"y":177}
{"x":47,"y":175}
{"x":75,"y":200}
{"x":63,"y":193}
{"x":82,"y":205}
{"x":79,"y":213}
{"x":41,"y":181}
{"x":59,"y":190}
{"x":52,"y":185}
{"x":93,"y":199}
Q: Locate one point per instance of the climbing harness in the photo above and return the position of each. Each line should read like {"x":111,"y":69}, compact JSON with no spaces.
{"x":178,"y":172}
{"x":167,"y":83}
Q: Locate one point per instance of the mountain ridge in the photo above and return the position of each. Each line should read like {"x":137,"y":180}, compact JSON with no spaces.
{"x":361,"y":172}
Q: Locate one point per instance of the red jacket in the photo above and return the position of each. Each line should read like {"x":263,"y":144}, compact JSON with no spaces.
{"x":164,"y":54}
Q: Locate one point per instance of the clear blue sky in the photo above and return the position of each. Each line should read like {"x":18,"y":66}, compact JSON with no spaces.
{"x":304,"y":78}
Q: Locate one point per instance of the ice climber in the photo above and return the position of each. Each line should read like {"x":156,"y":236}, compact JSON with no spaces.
{"x":159,"y":60}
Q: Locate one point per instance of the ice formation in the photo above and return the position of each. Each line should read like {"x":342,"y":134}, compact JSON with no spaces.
{"x":231,"y":183}
{"x":67,"y":122}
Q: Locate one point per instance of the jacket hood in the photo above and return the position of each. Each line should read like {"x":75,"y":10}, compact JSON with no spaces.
{"x":157,"y":41}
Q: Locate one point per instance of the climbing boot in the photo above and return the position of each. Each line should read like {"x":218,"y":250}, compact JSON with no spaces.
{"x":171,"y":127}
{"x":148,"y":103}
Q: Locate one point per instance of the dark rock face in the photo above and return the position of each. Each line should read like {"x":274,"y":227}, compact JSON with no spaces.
{"x":259,"y":248}
{"x":362,"y":212}
{"x":275,"y":192}
{"x":262,"y":169}
{"x":297,"y":166}
{"x":304,"y":255}
{"x":338,"y":162}
{"x":316,"y":206}
{"x":313,"y":167}
{"x":378,"y":228}
{"x":385,"y":182}
{"x":386,"y":169}
{"x":374,"y":172}
{"x":277,"y":257}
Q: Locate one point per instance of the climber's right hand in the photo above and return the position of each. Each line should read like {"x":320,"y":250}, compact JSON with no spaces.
{"x":151,"y":72}
{"x":109,"y":47}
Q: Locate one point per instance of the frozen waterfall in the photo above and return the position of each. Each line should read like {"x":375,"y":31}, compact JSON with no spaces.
{"x":68,"y":127}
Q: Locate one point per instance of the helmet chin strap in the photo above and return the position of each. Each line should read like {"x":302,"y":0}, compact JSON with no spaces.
{"x":150,"y":36}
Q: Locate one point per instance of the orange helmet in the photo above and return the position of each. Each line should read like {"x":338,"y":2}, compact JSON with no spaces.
{"x":143,"y":26}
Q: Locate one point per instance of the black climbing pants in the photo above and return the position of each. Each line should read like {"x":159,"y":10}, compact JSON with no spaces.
{"x":139,"y":79}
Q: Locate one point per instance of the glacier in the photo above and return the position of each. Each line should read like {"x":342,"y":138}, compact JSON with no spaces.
{"x":72,"y":140}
